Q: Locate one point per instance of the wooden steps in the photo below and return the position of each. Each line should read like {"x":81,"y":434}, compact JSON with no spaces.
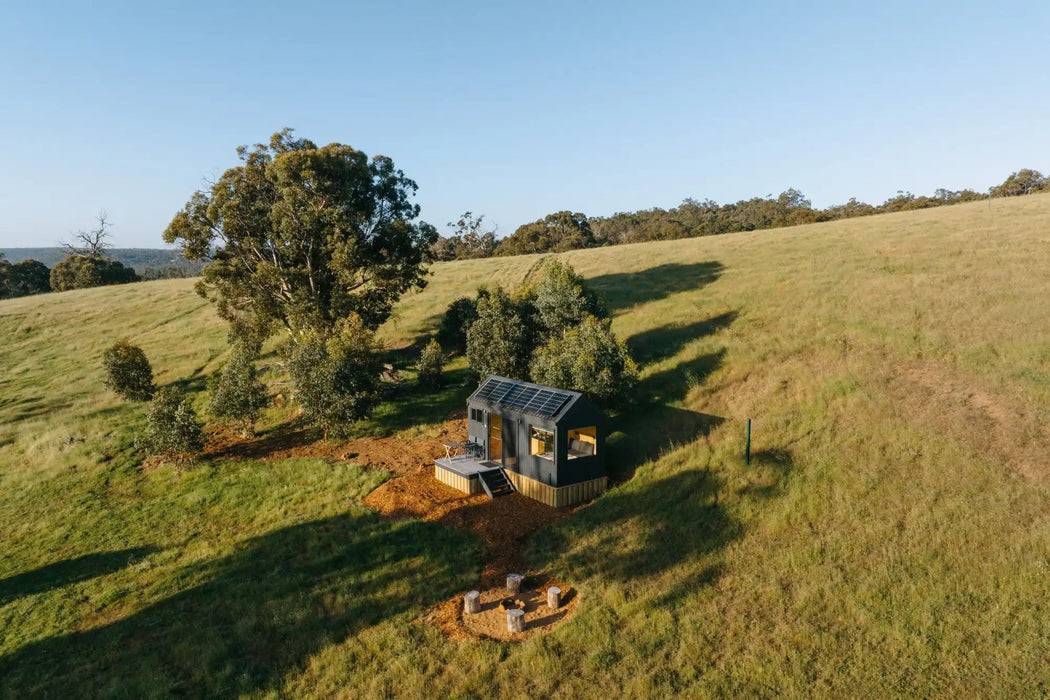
{"x":495,"y":483}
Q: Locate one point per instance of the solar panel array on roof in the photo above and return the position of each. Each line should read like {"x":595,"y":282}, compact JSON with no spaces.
{"x":493,"y":390}
{"x":525,"y":398}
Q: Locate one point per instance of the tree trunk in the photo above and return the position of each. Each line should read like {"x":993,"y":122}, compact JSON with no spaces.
{"x":514,"y":582}
{"x":472,"y":602}
{"x":553,"y":597}
{"x":515,"y":620}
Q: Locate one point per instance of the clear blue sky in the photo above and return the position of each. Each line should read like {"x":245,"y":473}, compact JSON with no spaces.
{"x":514,"y":110}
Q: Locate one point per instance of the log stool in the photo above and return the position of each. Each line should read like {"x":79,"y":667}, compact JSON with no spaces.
{"x":514,"y":582}
{"x":515,"y":620}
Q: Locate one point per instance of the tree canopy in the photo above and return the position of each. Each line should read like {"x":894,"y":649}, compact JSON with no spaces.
{"x":469,"y":239}
{"x":300,"y":236}
{"x":555,"y":332}
{"x":558,"y":232}
{"x":499,"y":341}
{"x":81,"y":271}
{"x":88,"y":263}
{"x":23,"y":278}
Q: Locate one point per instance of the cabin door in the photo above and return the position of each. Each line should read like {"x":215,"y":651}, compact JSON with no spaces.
{"x":495,"y":438}
{"x":510,"y":444}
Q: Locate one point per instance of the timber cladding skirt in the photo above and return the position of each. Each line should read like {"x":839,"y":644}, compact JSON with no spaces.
{"x":457,"y":481}
{"x":549,"y":495}
{"x":558,"y":496}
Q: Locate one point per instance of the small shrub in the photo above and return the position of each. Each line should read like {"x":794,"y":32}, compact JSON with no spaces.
{"x":452,"y":333}
{"x":172,"y":428}
{"x":431,"y":362}
{"x":128,"y":372}
{"x":336,"y":379}
{"x":237,"y":393}
{"x":460,"y":315}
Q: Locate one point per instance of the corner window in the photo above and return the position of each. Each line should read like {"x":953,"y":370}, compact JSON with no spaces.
{"x":583,"y":442}
{"x":541,"y":443}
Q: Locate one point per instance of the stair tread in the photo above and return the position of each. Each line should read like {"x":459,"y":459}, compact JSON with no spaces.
{"x":496,"y":483}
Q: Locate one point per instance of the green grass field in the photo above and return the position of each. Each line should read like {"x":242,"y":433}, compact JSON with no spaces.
{"x":891,"y":536}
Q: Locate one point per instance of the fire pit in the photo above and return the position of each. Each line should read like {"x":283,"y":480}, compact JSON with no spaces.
{"x":512,"y":604}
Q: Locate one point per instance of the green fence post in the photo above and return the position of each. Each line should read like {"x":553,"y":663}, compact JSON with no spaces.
{"x":747,"y":449}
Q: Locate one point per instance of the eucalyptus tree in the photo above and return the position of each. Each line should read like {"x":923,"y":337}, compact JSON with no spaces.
{"x":298,"y":237}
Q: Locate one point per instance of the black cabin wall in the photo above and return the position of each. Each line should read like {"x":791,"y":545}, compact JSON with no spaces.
{"x":562,"y":471}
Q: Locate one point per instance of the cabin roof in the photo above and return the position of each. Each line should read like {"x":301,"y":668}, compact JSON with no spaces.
{"x":535,"y":399}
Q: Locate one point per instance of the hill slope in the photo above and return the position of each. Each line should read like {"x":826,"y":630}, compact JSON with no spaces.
{"x":892,"y":535}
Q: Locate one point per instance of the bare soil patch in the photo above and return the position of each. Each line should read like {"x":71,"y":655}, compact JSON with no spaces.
{"x":398,"y":455}
{"x":1001,"y":428}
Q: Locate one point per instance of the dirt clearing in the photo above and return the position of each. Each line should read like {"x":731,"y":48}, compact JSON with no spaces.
{"x":491,"y":621}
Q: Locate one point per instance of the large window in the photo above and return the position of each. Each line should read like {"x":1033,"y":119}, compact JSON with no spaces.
{"x":541,"y":443}
{"x":583,"y":442}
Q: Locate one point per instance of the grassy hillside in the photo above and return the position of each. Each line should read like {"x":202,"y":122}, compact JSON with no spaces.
{"x":892,"y":535}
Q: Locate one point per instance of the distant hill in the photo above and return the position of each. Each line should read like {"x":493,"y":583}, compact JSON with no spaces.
{"x":140,"y":259}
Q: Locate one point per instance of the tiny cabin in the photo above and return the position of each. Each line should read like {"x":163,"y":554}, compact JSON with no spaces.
{"x":544,"y":442}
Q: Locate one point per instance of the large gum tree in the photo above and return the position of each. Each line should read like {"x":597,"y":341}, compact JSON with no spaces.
{"x":299,"y":236}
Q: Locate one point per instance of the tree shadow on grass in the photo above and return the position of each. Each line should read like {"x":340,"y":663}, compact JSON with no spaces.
{"x":190,"y":385}
{"x":261,"y":613}
{"x":286,"y":436}
{"x":651,"y":426}
{"x":666,"y":341}
{"x":32,"y":407}
{"x":63,"y":573}
{"x":623,"y":290}
{"x":407,"y":405}
{"x":675,"y":383}
{"x":641,"y":530}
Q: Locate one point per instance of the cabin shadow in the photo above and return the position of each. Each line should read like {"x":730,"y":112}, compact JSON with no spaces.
{"x":261,"y":612}
{"x":622,"y":290}
{"x":642,"y":530}
{"x":650,"y":430}
{"x":63,"y":573}
{"x":651,"y":426}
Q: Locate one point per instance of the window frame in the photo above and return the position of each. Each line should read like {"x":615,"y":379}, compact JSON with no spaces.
{"x":551,"y":443}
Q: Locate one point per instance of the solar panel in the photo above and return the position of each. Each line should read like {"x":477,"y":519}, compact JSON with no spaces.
{"x":518,"y":396}
{"x":547,"y":403}
{"x":493,"y":390}
{"x":528,"y":399}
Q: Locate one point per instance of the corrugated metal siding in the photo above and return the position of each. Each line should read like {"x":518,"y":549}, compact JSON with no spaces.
{"x":558,"y":497}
